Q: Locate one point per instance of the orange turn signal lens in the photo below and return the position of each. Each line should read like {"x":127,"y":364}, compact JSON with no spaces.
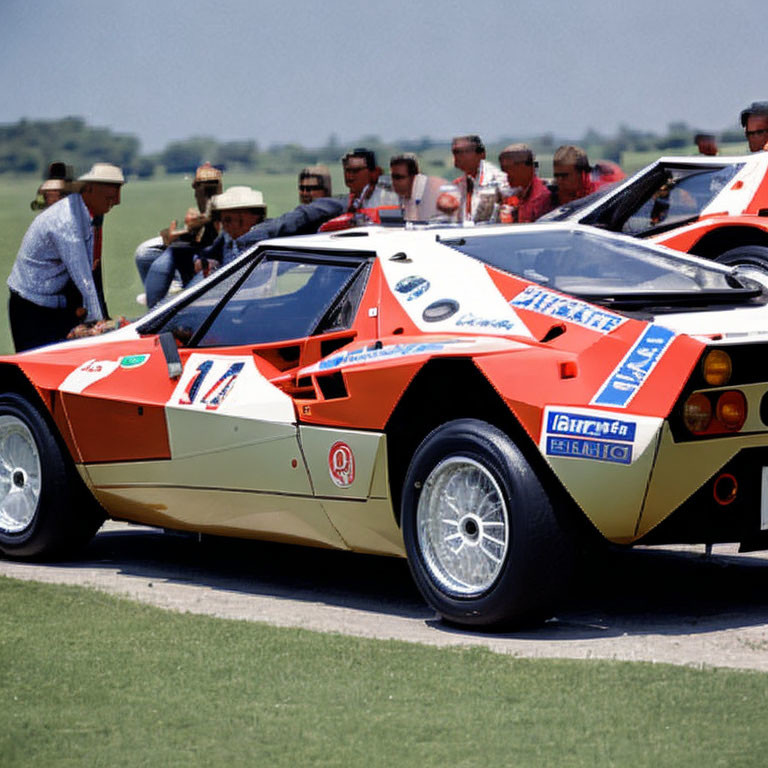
{"x":717,"y":368}
{"x":731,"y":410}
{"x":697,"y":413}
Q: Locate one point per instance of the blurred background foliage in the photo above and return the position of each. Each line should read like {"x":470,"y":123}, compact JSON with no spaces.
{"x":28,"y":146}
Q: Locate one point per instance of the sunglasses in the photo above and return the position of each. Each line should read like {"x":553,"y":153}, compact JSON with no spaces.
{"x":310,"y":187}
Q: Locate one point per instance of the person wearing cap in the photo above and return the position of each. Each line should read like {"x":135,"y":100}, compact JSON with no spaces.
{"x":754,"y":120}
{"x":198,"y":231}
{"x":481,"y":181}
{"x":57,"y":184}
{"x":361,"y":175}
{"x":531,"y":197}
{"x":48,"y":193}
{"x":241,"y":212}
{"x":314,"y":182}
{"x":571,"y":170}
{"x":55,"y":282}
{"x":416,"y":191}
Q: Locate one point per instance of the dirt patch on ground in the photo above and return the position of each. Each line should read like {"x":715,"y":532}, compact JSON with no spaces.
{"x":658,"y":605}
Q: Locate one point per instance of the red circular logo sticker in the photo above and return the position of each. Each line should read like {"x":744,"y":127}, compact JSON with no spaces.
{"x":341,"y":463}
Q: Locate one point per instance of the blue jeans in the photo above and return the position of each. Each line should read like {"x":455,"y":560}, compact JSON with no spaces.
{"x":146,"y":254}
{"x":159,"y":277}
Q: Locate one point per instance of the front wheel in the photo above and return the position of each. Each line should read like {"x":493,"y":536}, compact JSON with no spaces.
{"x":483,"y":542}
{"x":44,"y":508}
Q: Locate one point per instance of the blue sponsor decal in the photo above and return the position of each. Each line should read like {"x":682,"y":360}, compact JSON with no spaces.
{"x":368,"y":354}
{"x":580,"y":425}
{"x":414,"y":286}
{"x":616,"y":453}
{"x":473,"y":321}
{"x":574,"y":311}
{"x":629,"y":375}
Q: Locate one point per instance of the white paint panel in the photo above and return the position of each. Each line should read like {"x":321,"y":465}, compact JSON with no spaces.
{"x":455,"y":276}
{"x":230,"y":385}
{"x":734,"y":201}
{"x":88,"y":373}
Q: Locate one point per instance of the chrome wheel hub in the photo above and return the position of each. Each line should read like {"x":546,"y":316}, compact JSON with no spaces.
{"x":462,"y":526}
{"x":19,"y":475}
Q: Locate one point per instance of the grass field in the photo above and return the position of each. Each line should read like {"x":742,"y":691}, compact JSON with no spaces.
{"x":91,"y":680}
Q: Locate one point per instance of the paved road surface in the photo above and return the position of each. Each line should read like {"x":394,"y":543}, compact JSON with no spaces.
{"x":646,"y":604}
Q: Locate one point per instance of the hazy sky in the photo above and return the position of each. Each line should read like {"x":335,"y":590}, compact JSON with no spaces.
{"x":293,"y":70}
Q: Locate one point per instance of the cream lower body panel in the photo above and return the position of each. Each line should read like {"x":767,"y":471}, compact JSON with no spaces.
{"x":682,"y":468}
{"x":362,"y":525}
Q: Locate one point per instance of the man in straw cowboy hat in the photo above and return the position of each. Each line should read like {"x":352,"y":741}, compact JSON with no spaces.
{"x":55,"y":283}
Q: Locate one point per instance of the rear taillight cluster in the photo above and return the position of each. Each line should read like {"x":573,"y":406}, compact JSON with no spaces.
{"x":718,"y":412}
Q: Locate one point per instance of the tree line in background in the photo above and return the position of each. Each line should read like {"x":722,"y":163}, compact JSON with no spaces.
{"x":28,"y":146}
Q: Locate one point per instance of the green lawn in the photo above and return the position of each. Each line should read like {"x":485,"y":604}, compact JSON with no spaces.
{"x":92,"y":680}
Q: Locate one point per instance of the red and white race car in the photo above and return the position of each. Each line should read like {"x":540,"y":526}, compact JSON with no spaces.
{"x":475,"y":400}
{"x":715,"y":207}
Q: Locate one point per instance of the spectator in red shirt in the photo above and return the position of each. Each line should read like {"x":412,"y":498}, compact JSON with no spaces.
{"x":531,"y":197}
{"x":572,"y":173}
{"x":706,"y":142}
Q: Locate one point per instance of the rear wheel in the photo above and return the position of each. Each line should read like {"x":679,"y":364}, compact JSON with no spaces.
{"x":483,"y":542}
{"x":751,"y":257}
{"x":44,"y":507}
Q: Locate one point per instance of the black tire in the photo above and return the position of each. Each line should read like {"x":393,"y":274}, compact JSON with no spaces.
{"x":746,"y":255}
{"x":477,"y":461}
{"x":45,"y":509}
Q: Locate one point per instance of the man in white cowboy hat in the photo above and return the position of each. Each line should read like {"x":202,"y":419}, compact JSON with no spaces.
{"x":242,"y":214}
{"x":55,"y":283}
{"x":238,"y":209}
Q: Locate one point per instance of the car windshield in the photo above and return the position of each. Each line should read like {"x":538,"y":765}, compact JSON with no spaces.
{"x":607,"y":270}
{"x":664,"y":197}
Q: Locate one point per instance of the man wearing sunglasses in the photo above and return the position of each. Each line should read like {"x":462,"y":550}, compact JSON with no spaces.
{"x":418,"y":192}
{"x":361,"y":175}
{"x":314,"y":182}
{"x":754,"y":120}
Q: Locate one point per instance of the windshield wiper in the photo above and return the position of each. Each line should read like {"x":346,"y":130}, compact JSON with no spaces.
{"x":657,"y":230}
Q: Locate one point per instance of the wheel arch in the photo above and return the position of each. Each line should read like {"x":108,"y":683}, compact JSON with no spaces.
{"x":13,"y":379}
{"x":428,"y":402}
{"x":724,"y":239}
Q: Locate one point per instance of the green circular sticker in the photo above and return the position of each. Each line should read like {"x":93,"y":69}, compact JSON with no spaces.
{"x":133,"y":361}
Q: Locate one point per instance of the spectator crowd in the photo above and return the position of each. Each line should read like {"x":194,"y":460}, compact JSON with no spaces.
{"x":56,"y":287}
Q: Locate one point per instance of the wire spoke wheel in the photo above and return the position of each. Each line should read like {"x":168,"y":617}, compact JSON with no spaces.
{"x":463,"y":526}
{"x":484,"y":545}
{"x":19,"y":475}
{"x":45,"y":509}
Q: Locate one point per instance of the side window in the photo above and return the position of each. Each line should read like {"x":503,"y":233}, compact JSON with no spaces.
{"x":281,"y":299}
{"x":185,"y":322}
{"x":680,"y":196}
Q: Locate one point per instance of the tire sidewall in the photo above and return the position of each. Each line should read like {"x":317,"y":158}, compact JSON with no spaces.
{"x":45,"y":527}
{"x":515,"y":594}
{"x":746,"y":255}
